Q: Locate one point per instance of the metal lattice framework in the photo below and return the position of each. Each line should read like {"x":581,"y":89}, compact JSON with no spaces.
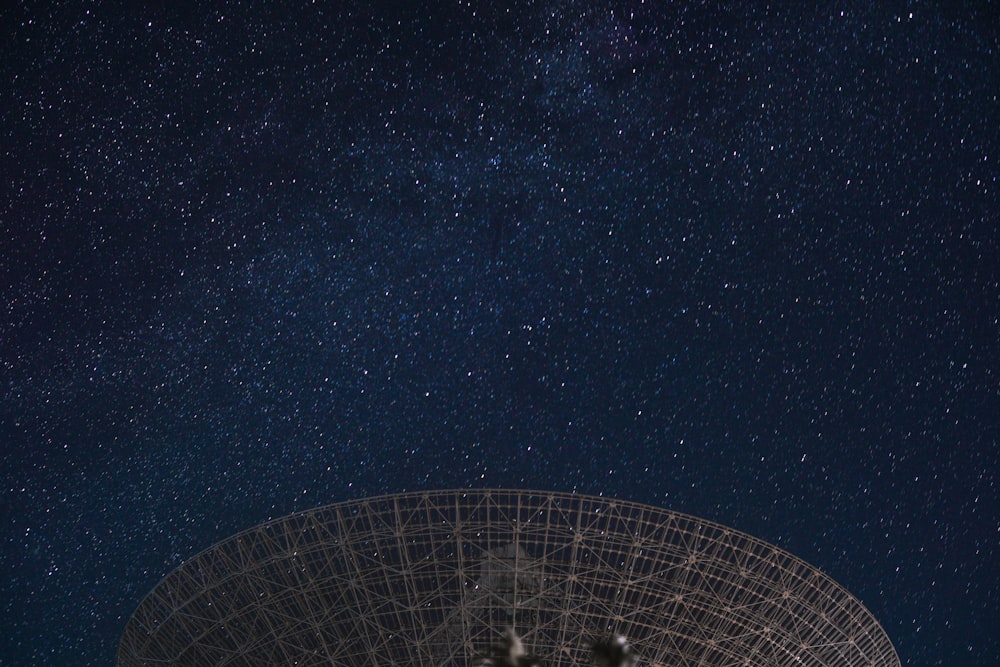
{"x":433,"y":578}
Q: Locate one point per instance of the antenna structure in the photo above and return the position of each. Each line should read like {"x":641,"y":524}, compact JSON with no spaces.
{"x":435,"y":578}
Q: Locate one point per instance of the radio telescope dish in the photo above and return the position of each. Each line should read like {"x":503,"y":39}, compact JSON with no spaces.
{"x":433,"y":578}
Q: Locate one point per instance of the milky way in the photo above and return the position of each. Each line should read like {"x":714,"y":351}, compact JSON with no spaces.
{"x":739,"y":262}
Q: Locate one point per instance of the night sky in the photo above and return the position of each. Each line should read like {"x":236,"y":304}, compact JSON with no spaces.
{"x":737,"y":261}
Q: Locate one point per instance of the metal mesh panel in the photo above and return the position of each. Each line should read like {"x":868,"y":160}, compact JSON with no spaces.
{"x":433,"y":578}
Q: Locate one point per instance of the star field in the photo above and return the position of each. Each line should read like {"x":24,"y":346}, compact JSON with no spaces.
{"x":732,"y":260}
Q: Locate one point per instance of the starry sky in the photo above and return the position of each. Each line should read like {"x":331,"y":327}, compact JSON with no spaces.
{"x":737,"y":261}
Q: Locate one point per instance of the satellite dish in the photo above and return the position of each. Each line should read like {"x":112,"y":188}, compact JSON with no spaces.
{"x":437,"y":578}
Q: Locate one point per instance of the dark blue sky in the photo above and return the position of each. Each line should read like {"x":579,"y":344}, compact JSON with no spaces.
{"x":736,"y":261}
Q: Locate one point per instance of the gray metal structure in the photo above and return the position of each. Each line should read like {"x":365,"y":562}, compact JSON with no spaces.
{"x":432,"y":578}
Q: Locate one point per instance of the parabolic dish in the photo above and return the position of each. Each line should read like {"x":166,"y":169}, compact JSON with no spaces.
{"x":433,"y":578}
